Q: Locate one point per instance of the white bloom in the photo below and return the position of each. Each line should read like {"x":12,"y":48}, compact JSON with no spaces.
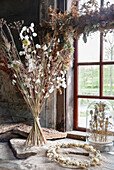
{"x":13,"y":82}
{"x":44,"y":47}
{"x":63,"y":84}
{"x":34,"y":34}
{"x":38,"y":46}
{"x":59,"y":79}
{"x":31,"y":28}
{"x":50,"y":50}
{"x":37,"y":81}
{"x":32,"y":24}
{"x":36,"y":92}
{"x":27,"y":30}
{"x":58,"y":87}
{"x":21,"y":53}
{"x":53,"y":44}
{"x":58,"y":40}
{"x":27,"y":56}
{"x":43,"y":90}
{"x":21,"y":35}
{"x":9,"y":65}
{"x":26,"y":37}
{"x":31,"y":67}
{"x":62,"y":72}
{"x":51,"y":90}
{"x":34,"y":51}
{"x":48,"y":65}
{"x":42,"y":75}
{"x":24,"y":28}
{"x":46,"y":53}
{"x":57,"y":52}
{"x":38,"y":56}
{"x":29,"y":50}
{"x":15,"y":76}
{"x":46,"y":96}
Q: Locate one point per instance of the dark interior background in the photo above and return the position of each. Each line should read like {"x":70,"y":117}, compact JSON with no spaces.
{"x":17,"y":10}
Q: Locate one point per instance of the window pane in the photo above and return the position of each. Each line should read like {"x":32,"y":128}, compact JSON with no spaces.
{"x":82,"y":108}
{"x":89,"y":51}
{"x":108,"y":80}
{"x":111,"y":2}
{"x":108,"y":47}
{"x":88,"y":80}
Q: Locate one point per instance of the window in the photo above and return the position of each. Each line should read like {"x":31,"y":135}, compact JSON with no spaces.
{"x":93,"y":74}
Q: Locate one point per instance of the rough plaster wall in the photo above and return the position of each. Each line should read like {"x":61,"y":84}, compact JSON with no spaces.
{"x":12,"y":108}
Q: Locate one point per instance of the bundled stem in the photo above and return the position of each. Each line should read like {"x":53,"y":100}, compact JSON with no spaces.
{"x":36,"y":136}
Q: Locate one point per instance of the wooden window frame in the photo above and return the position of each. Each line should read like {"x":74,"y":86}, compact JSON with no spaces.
{"x":101,"y":63}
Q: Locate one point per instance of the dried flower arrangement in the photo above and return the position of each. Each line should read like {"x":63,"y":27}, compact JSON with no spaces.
{"x":94,"y":160}
{"x":47,"y":54}
{"x":42,"y":70}
{"x":100,"y":123}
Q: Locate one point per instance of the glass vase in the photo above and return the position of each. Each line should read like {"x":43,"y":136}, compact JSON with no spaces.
{"x":100,"y":125}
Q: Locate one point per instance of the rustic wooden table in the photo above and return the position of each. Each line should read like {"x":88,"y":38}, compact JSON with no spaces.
{"x":41,"y":162}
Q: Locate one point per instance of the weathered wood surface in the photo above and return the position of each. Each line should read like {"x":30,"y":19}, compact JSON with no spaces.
{"x":11,"y":130}
{"x":41,"y":161}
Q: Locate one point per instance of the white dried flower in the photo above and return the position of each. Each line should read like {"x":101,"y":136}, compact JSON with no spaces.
{"x":44,"y":47}
{"x":34,"y":51}
{"x":57,"y":52}
{"x":51,"y":90}
{"x":13,"y":82}
{"x":29,"y":50}
{"x":32,"y":24}
{"x":37,"y":81}
{"x":26,"y":37}
{"x":21,"y":35}
{"x":63,"y":84}
{"x":34,"y":34}
{"x":31,"y":28}
{"x":58,"y":40}
{"x":43,"y":90}
{"x":46,"y":96}
{"x":38,"y":46}
{"x":15,"y":75}
{"x":36,"y":92}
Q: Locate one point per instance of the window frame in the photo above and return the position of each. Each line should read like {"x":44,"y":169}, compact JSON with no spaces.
{"x":101,"y":63}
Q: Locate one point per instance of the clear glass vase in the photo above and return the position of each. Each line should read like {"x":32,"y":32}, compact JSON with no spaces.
{"x":100,"y":125}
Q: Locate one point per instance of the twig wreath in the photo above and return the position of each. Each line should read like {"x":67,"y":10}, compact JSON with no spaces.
{"x":95,"y":160}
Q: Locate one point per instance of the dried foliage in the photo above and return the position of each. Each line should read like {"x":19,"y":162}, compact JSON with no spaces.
{"x":89,"y":18}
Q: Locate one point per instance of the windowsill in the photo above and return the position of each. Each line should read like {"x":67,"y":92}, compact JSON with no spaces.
{"x":77,"y":135}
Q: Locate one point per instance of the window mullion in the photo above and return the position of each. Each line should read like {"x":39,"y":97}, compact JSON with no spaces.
{"x":101,"y":65}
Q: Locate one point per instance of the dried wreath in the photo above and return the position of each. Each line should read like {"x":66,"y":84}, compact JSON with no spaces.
{"x":95,"y":160}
